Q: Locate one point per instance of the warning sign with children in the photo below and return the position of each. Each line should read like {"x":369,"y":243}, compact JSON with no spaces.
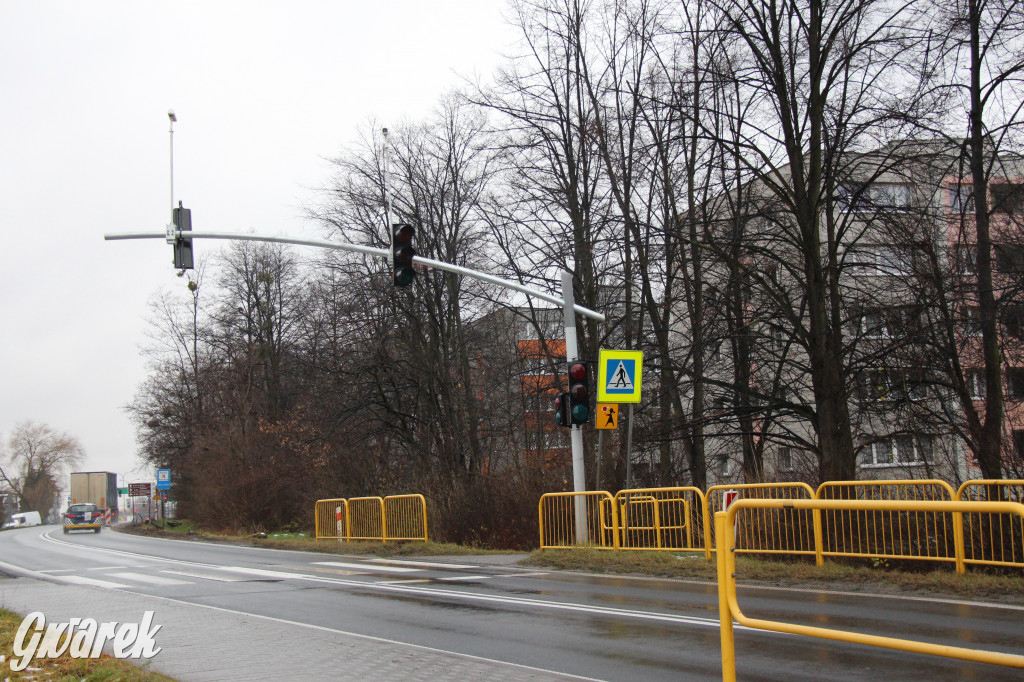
{"x":619,"y":373}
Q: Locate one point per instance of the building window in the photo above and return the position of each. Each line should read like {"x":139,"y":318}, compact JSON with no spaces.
{"x":785,"y":458}
{"x":880,"y":260}
{"x":1013,"y":321}
{"x":1009,"y":258}
{"x":716,"y":352}
{"x":724,"y":465}
{"x":1018,"y":445}
{"x":873,"y":326}
{"x":877,"y":196}
{"x":897,"y":451}
{"x":976,"y":383}
{"x":778,"y":338}
{"x":971,"y":323}
{"x":1006,"y":197}
{"x":1015,"y":382}
{"x":876,"y":385}
{"x":967,"y":259}
{"x":961,"y":198}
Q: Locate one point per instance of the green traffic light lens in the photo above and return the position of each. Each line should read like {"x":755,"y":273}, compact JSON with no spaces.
{"x":580,"y":413}
{"x":404,"y":277}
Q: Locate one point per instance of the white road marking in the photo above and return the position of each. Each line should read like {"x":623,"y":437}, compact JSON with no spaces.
{"x":81,"y":580}
{"x":208,"y":575}
{"x":466,"y":577}
{"x":151,"y":579}
{"x":422,"y":564}
{"x":107,"y":568}
{"x":368,"y":567}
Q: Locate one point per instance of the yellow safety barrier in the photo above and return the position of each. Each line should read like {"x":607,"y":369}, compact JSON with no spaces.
{"x":663,"y":518}
{"x":405,"y":517}
{"x":993,"y":539}
{"x":888,"y":533}
{"x":331,"y":519}
{"x":772,"y":531}
{"x":573,"y":519}
{"x":728,"y":606}
{"x":366,"y":519}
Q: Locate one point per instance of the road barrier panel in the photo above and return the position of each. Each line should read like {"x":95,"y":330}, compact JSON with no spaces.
{"x":771,"y":531}
{"x":889,"y":534}
{"x":992,"y":539}
{"x":366,"y":518}
{"x":728,"y":605}
{"x":330,"y":519}
{"x":569,"y":520}
{"x":405,"y":517}
{"x":670,"y":519}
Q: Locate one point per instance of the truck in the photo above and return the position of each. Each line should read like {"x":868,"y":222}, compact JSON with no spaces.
{"x":95,"y":487}
{"x":23,"y":520}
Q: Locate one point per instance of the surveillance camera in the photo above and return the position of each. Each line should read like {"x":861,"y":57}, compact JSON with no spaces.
{"x":170,"y":115}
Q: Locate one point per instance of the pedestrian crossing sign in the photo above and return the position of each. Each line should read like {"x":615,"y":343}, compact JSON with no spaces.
{"x":619,"y":375}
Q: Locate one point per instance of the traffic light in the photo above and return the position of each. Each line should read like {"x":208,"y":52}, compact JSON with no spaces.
{"x":402,"y":253}
{"x":562,"y":409}
{"x":579,"y":392}
{"x":182,"y":247}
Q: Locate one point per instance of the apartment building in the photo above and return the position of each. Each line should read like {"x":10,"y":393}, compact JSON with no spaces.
{"x":898,"y":256}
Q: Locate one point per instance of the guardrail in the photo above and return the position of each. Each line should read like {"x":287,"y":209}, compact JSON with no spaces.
{"x":569,"y":520}
{"x":728,"y":605}
{"x":673,"y":519}
{"x":331,"y":519}
{"x":772,"y":531}
{"x":889,"y":534}
{"x":993,"y":540}
{"x":679,"y":519}
{"x":396,"y":517}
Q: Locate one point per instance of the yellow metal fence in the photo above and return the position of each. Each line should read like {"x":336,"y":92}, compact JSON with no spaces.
{"x":729,"y":609}
{"x":396,"y":517}
{"x":679,"y":519}
{"x":994,"y":540}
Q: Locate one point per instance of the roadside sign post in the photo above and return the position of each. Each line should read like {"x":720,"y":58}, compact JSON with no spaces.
{"x":619,"y":378}
{"x":163,"y":483}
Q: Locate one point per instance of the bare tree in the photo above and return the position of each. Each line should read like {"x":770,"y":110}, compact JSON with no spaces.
{"x":33,"y":462}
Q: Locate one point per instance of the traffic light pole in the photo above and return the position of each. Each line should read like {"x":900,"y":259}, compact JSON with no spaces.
{"x":356,"y":248}
{"x":579,"y":481}
{"x":173,"y":234}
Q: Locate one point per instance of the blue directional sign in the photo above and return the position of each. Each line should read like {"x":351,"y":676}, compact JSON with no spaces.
{"x":163,"y":479}
{"x":619,"y":375}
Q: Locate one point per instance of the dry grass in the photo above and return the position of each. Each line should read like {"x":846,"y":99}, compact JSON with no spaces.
{"x":65,"y":668}
{"x":940,"y":581}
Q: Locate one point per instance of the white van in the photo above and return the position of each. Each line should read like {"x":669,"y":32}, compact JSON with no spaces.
{"x":23,"y":520}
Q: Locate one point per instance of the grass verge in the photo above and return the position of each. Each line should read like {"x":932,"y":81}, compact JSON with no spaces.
{"x":940,"y":582}
{"x":302,"y":542}
{"x":65,"y":668}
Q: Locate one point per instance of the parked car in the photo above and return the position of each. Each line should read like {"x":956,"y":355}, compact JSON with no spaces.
{"x":23,"y":519}
{"x":83,"y":517}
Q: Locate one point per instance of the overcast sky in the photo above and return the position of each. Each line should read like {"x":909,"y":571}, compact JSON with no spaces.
{"x":263,"y":91}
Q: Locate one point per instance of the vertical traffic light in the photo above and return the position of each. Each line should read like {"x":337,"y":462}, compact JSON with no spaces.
{"x":182,"y":247}
{"x":402,"y":252}
{"x":579,"y":392}
{"x":562,"y":409}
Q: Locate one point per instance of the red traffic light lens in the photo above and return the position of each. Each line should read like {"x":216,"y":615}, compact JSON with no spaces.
{"x":404,"y":233}
{"x":578,"y":371}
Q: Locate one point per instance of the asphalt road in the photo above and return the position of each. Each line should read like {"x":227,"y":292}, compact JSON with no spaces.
{"x":600,"y":627}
